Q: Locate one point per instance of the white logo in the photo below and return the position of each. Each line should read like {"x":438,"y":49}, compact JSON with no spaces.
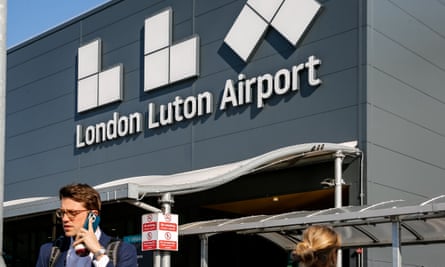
{"x":95,"y":87}
{"x":290,"y":18}
{"x":166,"y":63}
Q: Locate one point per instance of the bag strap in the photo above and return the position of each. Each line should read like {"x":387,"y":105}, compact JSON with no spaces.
{"x":112,"y":249}
{"x":55,"y":250}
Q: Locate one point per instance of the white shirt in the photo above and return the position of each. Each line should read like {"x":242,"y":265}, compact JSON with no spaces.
{"x":72,"y":260}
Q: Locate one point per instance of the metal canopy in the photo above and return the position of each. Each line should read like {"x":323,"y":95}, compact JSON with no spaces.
{"x":136,"y":188}
{"x":359,"y":226}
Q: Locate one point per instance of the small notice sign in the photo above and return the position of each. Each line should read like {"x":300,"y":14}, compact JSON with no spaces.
{"x":159,"y":232}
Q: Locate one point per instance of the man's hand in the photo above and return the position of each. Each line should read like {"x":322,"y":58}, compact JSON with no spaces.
{"x":89,"y":239}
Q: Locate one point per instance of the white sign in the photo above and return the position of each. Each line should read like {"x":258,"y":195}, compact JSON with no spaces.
{"x":159,"y":232}
{"x":96,"y":87}
{"x":167,"y":62}
{"x":244,"y":91}
{"x":289,"y":17}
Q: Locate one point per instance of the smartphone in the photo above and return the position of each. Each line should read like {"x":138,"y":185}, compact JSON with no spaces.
{"x":95,"y":220}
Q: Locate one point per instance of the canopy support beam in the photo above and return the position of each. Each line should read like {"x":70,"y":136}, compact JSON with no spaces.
{"x":396,"y":244}
{"x":339,"y":156}
{"x":204,"y":250}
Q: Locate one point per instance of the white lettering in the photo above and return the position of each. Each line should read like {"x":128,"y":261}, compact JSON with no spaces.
{"x":111,"y":127}
{"x":248,"y":90}
{"x":79,"y":137}
{"x":243,"y":94}
{"x":241,"y":88}
{"x":190,"y":107}
{"x":266,"y":85}
{"x":166,"y":114}
{"x":180,"y":109}
{"x":89,"y":135}
{"x":135,"y":123}
{"x":152,"y":123}
{"x":122,"y":128}
{"x":245,"y":89}
{"x":229,"y":96}
{"x":296,"y":76}
{"x":261,"y":93}
{"x":282,"y":82}
{"x":311,"y":63}
{"x":205,"y":103}
{"x":118,"y":126}
{"x":101,"y":132}
{"x":177,"y":105}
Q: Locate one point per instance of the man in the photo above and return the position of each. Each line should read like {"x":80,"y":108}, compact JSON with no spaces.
{"x":76,"y":202}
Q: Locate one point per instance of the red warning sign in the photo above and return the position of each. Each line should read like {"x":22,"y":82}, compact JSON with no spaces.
{"x":168,"y":226}
{"x":149,"y":245}
{"x":168,"y":245}
{"x":150,"y":226}
{"x":159,"y":232}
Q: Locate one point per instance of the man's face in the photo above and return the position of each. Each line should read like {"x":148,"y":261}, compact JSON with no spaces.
{"x":74,"y":216}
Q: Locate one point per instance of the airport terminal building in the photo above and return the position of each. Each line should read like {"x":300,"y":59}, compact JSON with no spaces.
{"x":226,"y":109}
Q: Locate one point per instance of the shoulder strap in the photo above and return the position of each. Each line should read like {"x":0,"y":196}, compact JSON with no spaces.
{"x":112,"y":249}
{"x":55,"y":251}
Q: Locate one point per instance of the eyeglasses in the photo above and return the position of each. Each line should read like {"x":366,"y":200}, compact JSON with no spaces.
{"x":70,"y":213}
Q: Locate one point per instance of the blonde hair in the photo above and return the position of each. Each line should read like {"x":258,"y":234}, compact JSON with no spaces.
{"x":318,"y":247}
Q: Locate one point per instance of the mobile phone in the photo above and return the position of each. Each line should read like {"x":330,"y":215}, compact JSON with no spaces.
{"x":95,"y":220}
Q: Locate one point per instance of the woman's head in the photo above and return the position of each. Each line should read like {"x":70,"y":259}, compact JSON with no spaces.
{"x":318,"y":247}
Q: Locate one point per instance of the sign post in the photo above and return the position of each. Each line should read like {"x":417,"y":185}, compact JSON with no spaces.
{"x":159,"y":232}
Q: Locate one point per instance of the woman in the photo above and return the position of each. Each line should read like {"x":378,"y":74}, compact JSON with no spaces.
{"x":318,"y":247}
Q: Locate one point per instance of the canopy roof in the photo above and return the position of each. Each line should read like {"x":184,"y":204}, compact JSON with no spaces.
{"x":359,"y":226}
{"x":193,"y":181}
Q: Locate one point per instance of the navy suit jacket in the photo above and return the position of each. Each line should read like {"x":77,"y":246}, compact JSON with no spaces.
{"x":126,"y":254}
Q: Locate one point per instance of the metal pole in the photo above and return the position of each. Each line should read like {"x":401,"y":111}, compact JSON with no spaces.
{"x":339,"y":156}
{"x":165,"y":259}
{"x":166,"y":204}
{"x":3,"y":13}
{"x":204,"y":250}
{"x":156,"y":258}
{"x":396,"y":249}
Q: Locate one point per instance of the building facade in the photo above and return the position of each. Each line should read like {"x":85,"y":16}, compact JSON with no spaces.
{"x":160,"y":88}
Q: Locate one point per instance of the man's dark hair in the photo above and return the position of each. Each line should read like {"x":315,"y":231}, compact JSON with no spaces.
{"x":82,"y":193}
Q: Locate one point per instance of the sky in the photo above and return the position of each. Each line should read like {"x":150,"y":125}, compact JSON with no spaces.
{"x":29,"y":18}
